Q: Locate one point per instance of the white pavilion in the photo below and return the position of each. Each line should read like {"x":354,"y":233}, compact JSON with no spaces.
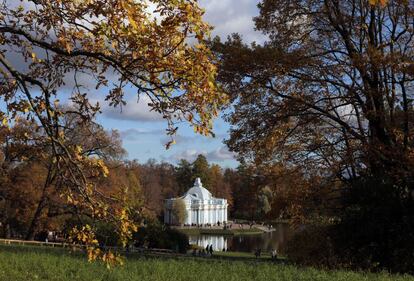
{"x":202,"y":207}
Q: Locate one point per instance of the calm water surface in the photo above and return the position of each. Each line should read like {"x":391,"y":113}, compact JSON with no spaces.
{"x":247,"y":243}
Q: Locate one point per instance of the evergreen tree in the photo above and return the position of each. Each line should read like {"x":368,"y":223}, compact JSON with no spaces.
{"x":201,"y":170}
{"x":184,"y":176}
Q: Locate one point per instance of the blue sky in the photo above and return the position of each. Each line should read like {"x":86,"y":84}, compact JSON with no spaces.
{"x":143,"y":132}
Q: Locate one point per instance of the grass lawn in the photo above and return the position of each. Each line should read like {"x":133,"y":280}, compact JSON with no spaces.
{"x":212,"y":231}
{"x":244,"y":255}
{"x":21,"y":263}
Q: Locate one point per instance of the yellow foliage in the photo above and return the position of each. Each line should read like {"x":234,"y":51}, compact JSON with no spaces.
{"x":147,"y":50}
{"x":381,"y":3}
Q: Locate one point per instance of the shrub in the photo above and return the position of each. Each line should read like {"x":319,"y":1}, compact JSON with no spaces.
{"x":375,"y":231}
{"x":377,"y":227}
{"x":155,"y":235}
{"x":312,"y":246}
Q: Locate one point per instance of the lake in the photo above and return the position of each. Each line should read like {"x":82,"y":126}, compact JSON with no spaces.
{"x":276,"y":239}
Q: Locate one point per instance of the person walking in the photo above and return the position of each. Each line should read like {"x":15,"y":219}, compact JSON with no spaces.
{"x":257,"y":253}
{"x":211,"y":250}
{"x":273,"y":254}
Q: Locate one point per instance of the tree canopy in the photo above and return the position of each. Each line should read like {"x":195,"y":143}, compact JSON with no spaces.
{"x":329,"y":88}
{"x":62,"y":52}
{"x":323,"y":115}
{"x":329,"y":91}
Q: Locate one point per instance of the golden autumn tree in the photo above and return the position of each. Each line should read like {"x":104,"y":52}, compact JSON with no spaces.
{"x":54,"y":52}
{"x":325,"y":103}
{"x":179,"y":211}
{"x":329,"y":93}
{"x":29,"y":181}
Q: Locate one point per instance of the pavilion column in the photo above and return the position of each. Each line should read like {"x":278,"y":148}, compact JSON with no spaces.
{"x":205,"y":214}
{"x":208,"y":214}
{"x":188,"y":216}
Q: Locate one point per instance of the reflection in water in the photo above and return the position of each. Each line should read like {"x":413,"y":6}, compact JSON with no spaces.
{"x":219,"y":242}
{"x":247,"y":243}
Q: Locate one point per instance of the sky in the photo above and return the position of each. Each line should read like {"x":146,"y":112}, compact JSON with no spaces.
{"x":143,"y":132}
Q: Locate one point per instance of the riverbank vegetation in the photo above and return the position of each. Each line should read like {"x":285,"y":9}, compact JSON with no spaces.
{"x":26,"y":263}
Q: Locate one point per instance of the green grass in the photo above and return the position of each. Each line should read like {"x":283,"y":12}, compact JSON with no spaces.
{"x":242,"y":255}
{"x":212,"y":231}
{"x":248,"y":231}
{"x":246,"y":256}
{"x":21,"y":263}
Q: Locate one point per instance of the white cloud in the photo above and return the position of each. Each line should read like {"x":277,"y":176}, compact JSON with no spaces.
{"x":230,"y":16}
{"x":134,"y":110}
{"x":135,"y":134}
{"x":219,"y":155}
{"x":189,"y":154}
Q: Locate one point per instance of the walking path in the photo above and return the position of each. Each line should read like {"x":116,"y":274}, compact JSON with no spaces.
{"x":150,"y":252}
{"x":262,"y":227}
{"x":231,"y":226}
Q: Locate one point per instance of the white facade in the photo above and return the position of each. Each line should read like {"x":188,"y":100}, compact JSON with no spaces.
{"x":219,"y":242}
{"x":202,"y":207}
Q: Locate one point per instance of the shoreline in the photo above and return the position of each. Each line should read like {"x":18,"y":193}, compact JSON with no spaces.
{"x":193,"y":231}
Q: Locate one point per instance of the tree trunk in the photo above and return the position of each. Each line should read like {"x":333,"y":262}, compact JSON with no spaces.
{"x":40,"y":206}
{"x":33,"y":225}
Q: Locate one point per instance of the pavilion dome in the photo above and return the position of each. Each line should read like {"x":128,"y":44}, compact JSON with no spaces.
{"x":201,"y":207}
{"x":198,"y":191}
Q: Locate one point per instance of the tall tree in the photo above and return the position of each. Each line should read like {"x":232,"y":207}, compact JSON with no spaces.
{"x":201,"y":170}
{"x":25,"y":148}
{"x":112,"y":45}
{"x":328,"y":97}
{"x":184,"y":175}
{"x":218,"y":186}
{"x":323,"y":91}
